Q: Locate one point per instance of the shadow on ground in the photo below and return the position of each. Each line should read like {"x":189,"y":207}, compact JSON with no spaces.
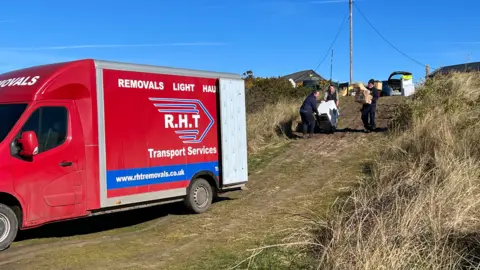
{"x":105,"y":222}
{"x":285,"y":129}
{"x":352,"y":130}
{"x":317,"y":130}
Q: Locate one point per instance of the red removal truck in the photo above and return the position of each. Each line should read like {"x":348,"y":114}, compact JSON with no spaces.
{"x":90,"y":137}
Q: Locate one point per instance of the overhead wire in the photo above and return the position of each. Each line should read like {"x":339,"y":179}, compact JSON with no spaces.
{"x":333,"y":42}
{"x":378,"y":32}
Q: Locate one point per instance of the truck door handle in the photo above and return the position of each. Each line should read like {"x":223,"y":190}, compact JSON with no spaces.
{"x":66,"y":163}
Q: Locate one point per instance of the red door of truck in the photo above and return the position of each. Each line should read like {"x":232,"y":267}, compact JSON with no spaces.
{"x":52,"y":182}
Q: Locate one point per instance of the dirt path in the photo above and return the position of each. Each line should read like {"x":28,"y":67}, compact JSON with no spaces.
{"x":307,"y":174}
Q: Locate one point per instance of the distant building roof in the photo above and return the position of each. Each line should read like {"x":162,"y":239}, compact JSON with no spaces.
{"x":466,"y":67}
{"x":303,"y":75}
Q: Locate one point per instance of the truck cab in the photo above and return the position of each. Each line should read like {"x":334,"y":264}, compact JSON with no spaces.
{"x":42,"y":146}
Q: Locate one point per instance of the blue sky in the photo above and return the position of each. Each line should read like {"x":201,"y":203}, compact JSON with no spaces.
{"x":272,"y":38}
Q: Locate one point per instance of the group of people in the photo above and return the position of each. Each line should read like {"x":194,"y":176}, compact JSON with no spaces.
{"x":310,"y":107}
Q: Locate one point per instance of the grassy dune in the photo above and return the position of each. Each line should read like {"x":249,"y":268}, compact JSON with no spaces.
{"x":272,"y":112}
{"x":273,"y":125}
{"x":419,"y":205}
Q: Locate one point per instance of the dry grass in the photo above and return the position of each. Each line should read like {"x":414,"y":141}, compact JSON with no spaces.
{"x":273,"y":125}
{"x":419,"y":206}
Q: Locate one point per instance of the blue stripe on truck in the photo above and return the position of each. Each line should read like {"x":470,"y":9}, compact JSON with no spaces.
{"x":157,"y":175}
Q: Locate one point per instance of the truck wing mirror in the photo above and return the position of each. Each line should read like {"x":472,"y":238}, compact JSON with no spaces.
{"x":29,"y":144}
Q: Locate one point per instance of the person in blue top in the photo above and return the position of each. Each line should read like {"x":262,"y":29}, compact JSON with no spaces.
{"x":307,"y":109}
{"x":368,"y":110}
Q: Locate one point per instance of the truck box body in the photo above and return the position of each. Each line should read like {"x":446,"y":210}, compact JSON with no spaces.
{"x":133,"y":134}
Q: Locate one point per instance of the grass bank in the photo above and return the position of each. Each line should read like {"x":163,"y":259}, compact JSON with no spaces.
{"x":418,"y":207}
{"x":272,"y":113}
{"x":273,"y":125}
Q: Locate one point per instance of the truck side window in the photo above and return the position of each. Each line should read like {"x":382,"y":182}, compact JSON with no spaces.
{"x":50,"y":124}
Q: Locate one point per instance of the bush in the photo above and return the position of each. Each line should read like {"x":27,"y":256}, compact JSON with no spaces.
{"x":419,"y":208}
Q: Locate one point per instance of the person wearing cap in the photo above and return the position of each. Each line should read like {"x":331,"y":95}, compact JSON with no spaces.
{"x":369,"y":110}
{"x":307,"y":109}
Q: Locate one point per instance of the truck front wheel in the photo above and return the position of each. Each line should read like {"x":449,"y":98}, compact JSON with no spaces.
{"x":199,"y":196}
{"x":8,"y":226}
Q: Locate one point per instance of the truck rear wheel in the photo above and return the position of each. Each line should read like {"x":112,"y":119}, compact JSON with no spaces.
{"x":8,"y":226}
{"x":199,"y":196}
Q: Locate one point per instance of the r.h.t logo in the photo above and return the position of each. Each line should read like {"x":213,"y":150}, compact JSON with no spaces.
{"x":184,"y":116}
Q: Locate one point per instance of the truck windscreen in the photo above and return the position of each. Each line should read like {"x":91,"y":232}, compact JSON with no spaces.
{"x":9,"y":115}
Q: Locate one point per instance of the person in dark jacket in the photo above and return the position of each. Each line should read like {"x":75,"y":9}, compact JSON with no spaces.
{"x":307,"y":109}
{"x":368,"y":110}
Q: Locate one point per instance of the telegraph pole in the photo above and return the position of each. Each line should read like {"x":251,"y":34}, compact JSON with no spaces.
{"x":331,"y":67}
{"x":466,"y":63}
{"x":351,"y":43}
